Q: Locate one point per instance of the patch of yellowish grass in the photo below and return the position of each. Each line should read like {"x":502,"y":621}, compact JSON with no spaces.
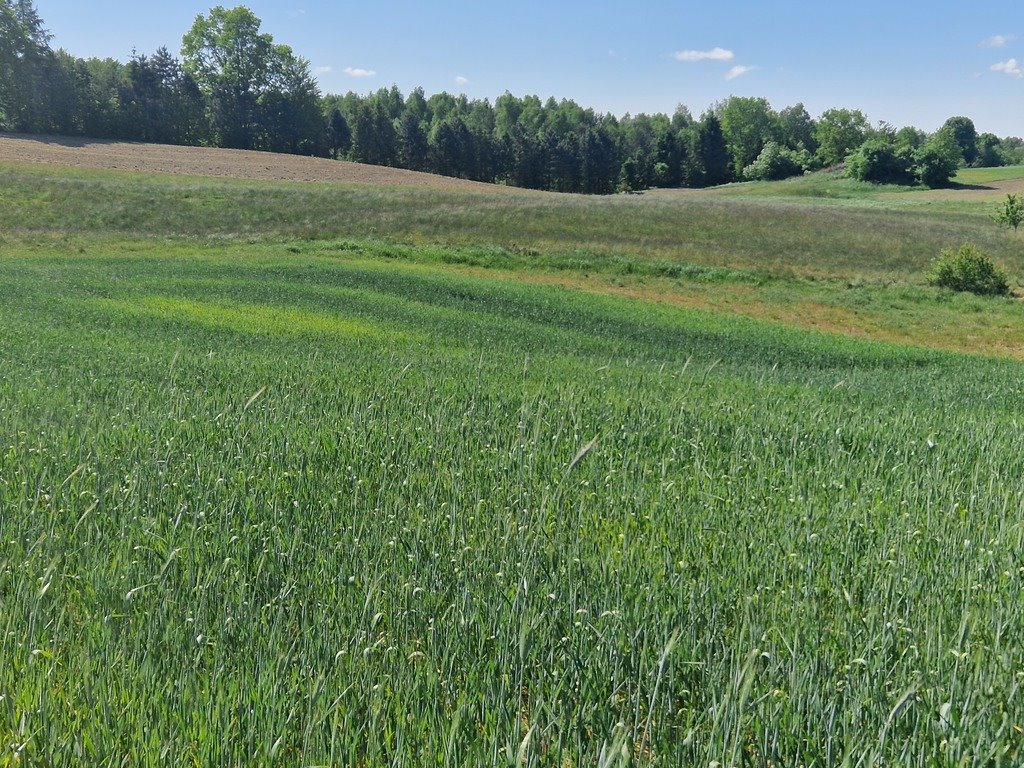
{"x":257,"y":320}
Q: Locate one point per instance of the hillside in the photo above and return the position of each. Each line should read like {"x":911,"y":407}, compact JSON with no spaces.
{"x":99,"y":154}
{"x":345,"y":474}
{"x":819,"y":252}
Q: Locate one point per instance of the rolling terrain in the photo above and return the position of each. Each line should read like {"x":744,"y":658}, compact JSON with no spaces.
{"x":363,"y":473}
{"x":102,"y":154}
{"x":819,"y":252}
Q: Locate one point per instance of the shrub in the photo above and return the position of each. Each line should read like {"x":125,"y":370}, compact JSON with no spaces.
{"x":968,"y":269}
{"x":774,"y":163}
{"x":938,"y":161}
{"x":882,"y":162}
{"x":1010,"y":212}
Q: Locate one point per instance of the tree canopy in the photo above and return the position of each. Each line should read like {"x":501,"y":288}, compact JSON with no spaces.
{"x":748,"y":125}
{"x":838,"y":133}
{"x":260,"y":94}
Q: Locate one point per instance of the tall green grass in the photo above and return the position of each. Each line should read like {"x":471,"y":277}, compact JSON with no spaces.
{"x":761,"y":228}
{"x":298,"y":509}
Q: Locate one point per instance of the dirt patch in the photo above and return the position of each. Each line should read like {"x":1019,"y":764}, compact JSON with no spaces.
{"x":218,"y":163}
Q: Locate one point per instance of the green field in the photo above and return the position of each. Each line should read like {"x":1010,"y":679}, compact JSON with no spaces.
{"x":986,"y":175}
{"x":325,"y":475}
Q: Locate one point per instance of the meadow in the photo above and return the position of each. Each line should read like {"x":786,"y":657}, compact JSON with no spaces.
{"x":347,"y":475}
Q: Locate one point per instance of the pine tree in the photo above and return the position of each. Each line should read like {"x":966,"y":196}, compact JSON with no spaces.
{"x":711,"y":163}
{"x":339,"y":136}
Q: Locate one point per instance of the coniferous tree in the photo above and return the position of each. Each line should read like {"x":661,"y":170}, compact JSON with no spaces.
{"x":374,"y":140}
{"x":599,"y":166}
{"x":710,"y":163}
{"x":339,"y":136}
{"x":416,"y":105}
{"x":413,"y":143}
{"x":525,"y":158}
{"x":564,"y":162}
{"x":160,"y":102}
{"x":670,"y":159}
{"x":452,"y":148}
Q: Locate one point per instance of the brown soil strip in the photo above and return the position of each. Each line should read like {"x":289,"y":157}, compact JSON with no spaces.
{"x":218,"y":163}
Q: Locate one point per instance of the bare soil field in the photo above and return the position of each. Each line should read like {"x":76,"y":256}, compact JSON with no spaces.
{"x":216,"y":163}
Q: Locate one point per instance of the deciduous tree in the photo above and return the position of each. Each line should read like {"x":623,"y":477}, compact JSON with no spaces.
{"x":838,"y":133}
{"x":938,"y":160}
{"x":255,"y":88}
{"x":231,"y":61}
{"x":965,"y":136}
{"x":796,"y":129}
{"x":748,"y":124}
{"x":30,"y":76}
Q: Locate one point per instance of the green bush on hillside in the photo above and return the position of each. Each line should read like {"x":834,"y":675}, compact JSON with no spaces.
{"x":938,"y":161}
{"x":776,"y":162}
{"x":885,"y":161}
{"x":969,"y":269}
{"x":882,"y":162}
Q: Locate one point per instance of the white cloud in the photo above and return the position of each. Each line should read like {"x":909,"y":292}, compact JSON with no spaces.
{"x":357,"y":72}
{"x":323,"y":70}
{"x":715,"y":54}
{"x":998,"y":41}
{"x":739,"y":71}
{"x":1011,"y":67}
{"x":460,"y":80}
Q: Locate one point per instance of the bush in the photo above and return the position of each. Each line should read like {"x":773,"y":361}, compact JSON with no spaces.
{"x":1010,"y":212}
{"x":882,"y":162}
{"x":774,"y":163}
{"x":937,"y":161}
{"x":968,"y":269}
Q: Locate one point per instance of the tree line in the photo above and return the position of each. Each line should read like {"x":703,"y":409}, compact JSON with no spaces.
{"x":233,"y":86}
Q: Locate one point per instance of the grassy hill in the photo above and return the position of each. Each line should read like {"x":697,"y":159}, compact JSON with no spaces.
{"x":817,"y":252}
{"x":331,"y":474}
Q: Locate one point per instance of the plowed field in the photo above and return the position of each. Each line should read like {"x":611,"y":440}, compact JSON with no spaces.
{"x":216,"y":163}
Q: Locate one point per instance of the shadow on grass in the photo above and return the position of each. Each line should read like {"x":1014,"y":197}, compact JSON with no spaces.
{"x":955,"y":185}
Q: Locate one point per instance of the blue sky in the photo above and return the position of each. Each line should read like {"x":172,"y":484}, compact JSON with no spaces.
{"x":909,"y":63}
